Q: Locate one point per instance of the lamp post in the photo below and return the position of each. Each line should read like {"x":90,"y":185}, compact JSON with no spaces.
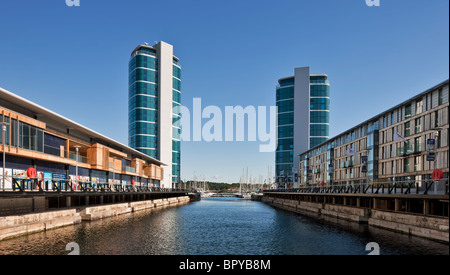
{"x":76,"y":159}
{"x":4,"y":128}
{"x":114,"y":172}
{"x":436,"y":138}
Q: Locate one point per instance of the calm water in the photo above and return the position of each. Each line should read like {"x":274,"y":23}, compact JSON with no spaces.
{"x":219,"y":226}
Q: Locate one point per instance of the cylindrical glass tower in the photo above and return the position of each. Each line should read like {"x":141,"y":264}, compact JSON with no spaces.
{"x":153,"y":119}
{"x":143,"y":102}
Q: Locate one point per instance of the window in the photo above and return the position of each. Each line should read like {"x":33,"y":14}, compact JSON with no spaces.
{"x":417,"y":164}
{"x":417,"y":144}
{"x":418,"y":126}
{"x":408,"y":111}
{"x":436,"y":119}
{"x":407,"y":129}
{"x":320,"y":104}
{"x":419,"y":107}
{"x":439,"y":137}
{"x":31,"y":137}
{"x":406,"y":165}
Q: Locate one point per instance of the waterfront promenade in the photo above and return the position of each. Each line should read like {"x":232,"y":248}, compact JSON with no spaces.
{"x":414,"y":208}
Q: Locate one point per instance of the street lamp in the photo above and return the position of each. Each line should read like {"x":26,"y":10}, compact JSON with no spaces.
{"x":4,"y":128}
{"x":77,"y":147}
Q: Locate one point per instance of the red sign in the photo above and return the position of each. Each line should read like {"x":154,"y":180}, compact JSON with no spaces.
{"x":31,"y":172}
{"x":438,"y":174}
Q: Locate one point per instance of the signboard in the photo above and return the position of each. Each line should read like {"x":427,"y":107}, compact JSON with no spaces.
{"x":364,"y":161}
{"x":431,"y":149}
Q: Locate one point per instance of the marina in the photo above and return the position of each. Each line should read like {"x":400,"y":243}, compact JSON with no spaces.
{"x":219,"y":226}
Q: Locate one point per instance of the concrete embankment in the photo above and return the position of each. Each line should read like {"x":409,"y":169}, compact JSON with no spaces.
{"x":18,"y":225}
{"x":430,"y":227}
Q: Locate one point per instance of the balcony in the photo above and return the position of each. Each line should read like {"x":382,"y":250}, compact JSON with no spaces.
{"x":409,"y":149}
{"x":347,"y":164}
{"x":128,"y":169}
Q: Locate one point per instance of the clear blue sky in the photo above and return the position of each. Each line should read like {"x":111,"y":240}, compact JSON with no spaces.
{"x":74,"y":61}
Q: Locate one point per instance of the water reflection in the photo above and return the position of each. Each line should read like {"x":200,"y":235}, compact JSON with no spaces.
{"x":219,"y":227}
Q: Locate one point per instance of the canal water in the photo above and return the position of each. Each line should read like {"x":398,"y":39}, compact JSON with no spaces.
{"x":219,"y":226}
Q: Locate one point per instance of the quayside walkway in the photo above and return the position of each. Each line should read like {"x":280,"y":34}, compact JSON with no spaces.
{"x":28,"y":195}
{"x":418,"y":208}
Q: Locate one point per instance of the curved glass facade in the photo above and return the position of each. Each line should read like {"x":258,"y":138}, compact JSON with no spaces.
{"x":285,"y":151}
{"x":150,"y":130}
{"x":319,"y":121}
{"x":176,"y":142}
{"x":143,"y":102}
{"x":319,"y":110}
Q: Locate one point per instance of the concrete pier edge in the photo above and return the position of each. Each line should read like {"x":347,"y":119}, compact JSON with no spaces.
{"x":428,"y":227}
{"x":14,"y":226}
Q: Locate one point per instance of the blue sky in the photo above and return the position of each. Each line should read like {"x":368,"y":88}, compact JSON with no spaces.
{"x":74,"y":61}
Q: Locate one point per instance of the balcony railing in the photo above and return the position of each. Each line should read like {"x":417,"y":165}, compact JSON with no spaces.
{"x":409,"y":149}
{"x":128,"y":169}
{"x":347,"y":164}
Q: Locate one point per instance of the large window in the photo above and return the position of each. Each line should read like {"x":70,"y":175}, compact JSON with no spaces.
{"x":176,"y":84}
{"x":320,"y":90}
{"x":285,"y":144}
{"x":52,"y":144}
{"x":320,"y":130}
{"x":287,"y":118}
{"x":320,"y":117}
{"x":143,"y":75}
{"x":176,"y":72}
{"x":320,"y":104}
{"x":143,"y":88}
{"x":407,"y":129}
{"x":419,"y":107}
{"x":285,"y":93}
{"x":142,"y":101}
{"x":418,"y":126}
{"x":406,"y":165}
{"x":408,"y":111}
{"x":31,"y":137}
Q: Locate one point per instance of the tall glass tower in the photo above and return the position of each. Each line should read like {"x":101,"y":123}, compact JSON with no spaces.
{"x":303,"y":102}
{"x":154,"y":92}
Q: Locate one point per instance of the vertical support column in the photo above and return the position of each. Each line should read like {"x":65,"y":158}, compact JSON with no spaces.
{"x":397,"y":205}
{"x":426,"y":207}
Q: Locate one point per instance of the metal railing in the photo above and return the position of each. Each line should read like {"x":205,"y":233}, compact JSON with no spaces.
{"x":417,"y":187}
{"x":39,"y":185}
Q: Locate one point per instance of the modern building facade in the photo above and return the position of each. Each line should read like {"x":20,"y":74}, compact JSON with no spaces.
{"x":391,"y":146}
{"x":303,"y":102}
{"x":154,"y":92}
{"x":61,"y":149}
